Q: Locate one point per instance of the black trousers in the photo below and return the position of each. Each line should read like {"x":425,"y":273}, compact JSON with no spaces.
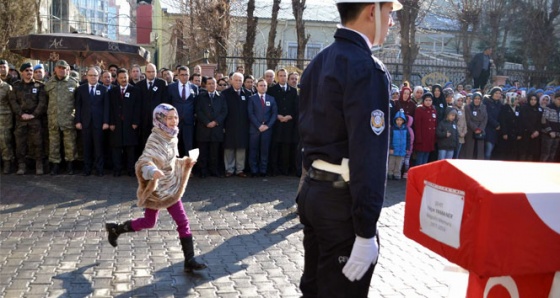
{"x":328,"y":237}
{"x":129,"y":152}
{"x":282,"y":158}
{"x":92,"y":139}
{"x":482,"y":79}
{"x":208,"y":160}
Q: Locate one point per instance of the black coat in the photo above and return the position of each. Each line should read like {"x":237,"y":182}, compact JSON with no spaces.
{"x":530,"y":119}
{"x":208,"y":110}
{"x":510,"y":123}
{"x":150,"y":100}
{"x":236,"y":124}
{"x":287,"y":102}
{"x":92,"y":111}
{"x":124,"y":112}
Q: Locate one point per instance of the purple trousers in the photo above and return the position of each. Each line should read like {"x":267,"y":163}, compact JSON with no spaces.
{"x":177,"y":213}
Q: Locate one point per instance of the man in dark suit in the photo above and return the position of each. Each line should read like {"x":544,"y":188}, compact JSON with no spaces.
{"x":284,"y":140}
{"x":153,"y":92}
{"x":248,"y":85}
{"x":124,"y":122}
{"x":92,"y":118}
{"x":479,"y":68}
{"x":263,"y":112}
{"x":236,"y":127}
{"x":182,"y":95}
{"x":211,"y":111}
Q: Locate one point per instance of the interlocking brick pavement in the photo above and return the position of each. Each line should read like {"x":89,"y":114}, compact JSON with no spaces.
{"x":53,"y":243}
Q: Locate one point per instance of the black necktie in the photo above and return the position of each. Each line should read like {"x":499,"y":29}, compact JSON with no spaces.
{"x":150,"y":85}
{"x":91,"y":92}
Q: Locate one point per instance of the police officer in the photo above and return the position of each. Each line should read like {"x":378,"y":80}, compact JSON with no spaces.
{"x":29,"y":102}
{"x":344,"y":119}
{"x":6,"y":125}
{"x":61,"y":113}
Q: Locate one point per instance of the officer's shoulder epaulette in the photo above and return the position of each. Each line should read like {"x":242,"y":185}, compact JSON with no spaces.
{"x":73,"y":79}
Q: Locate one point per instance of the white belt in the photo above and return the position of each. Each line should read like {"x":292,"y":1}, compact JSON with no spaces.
{"x":342,"y":169}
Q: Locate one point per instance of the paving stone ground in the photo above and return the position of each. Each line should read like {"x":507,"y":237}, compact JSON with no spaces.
{"x":53,"y":243}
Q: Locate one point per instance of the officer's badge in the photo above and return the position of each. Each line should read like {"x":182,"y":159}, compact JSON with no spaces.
{"x":377,"y":121}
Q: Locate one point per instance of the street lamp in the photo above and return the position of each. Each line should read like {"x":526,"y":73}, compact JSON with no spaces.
{"x":206,"y":55}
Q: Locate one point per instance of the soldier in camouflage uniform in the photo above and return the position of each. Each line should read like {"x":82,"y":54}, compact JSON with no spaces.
{"x":6,"y":125}
{"x":60,"y":90}
{"x":4,"y":72}
{"x":29,"y":102}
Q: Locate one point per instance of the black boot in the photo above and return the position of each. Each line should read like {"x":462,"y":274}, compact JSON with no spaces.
{"x":55,"y":169}
{"x":69,"y":168}
{"x":115,"y":230}
{"x":188,"y":251}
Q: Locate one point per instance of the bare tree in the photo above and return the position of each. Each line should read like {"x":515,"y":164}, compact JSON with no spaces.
{"x":248,"y":52}
{"x":298,"y":7}
{"x":468,"y":14}
{"x":11,"y":14}
{"x":204,"y":25}
{"x":538,"y":34}
{"x":494,"y":11}
{"x":409,"y":48}
{"x":273,"y":53}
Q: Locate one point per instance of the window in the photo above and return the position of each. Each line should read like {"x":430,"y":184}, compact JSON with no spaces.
{"x":292,"y":50}
{"x":312,"y":50}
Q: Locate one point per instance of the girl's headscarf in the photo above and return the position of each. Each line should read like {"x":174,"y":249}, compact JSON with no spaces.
{"x":159,"y":116}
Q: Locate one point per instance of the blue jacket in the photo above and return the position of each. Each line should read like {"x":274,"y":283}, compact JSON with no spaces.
{"x":493,"y":107}
{"x":400,"y":138}
{"x":344,"y":113}
{"x":260,"y":113}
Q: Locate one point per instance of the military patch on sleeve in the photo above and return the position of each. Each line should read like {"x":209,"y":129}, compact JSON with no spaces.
{"x":377,"y":121}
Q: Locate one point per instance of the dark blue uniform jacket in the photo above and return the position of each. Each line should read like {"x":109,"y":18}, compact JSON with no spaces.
{"x":340,"y":90}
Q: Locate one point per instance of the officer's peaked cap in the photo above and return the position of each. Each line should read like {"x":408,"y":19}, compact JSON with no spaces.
{"x":396,"y":4}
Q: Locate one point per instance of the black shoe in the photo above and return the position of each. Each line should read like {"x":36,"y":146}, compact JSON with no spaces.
{"x":99,"y":174}
{"x":86,"y":173}
{"x":116,"y":173}
{"x":263,"y":175}
{"x":55,"y":169}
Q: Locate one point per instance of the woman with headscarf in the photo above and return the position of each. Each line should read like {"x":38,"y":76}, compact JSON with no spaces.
{"x":477,"y":117}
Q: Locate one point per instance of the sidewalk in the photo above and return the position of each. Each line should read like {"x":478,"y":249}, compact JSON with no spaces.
{"x":53,"y":243}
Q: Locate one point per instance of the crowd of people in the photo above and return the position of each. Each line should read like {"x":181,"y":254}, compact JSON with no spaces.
{"x":499,"y":122}
{"x":245,"y":126}
{"x":242,"y":126}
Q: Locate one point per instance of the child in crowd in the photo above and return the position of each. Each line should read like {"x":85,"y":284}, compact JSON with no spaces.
{"x":162,"y":180}
{"x":399,"y":145}
{"x":425,"y":119}
{"x":461,"y":123}
{"x":406,"y":161}
{"x":447,"y":134}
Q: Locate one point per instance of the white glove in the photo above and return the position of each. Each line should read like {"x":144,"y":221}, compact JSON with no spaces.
{"x":364,"y":253}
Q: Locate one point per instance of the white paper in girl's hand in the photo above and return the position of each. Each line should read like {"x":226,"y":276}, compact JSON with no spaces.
{"x":194,"y":154}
